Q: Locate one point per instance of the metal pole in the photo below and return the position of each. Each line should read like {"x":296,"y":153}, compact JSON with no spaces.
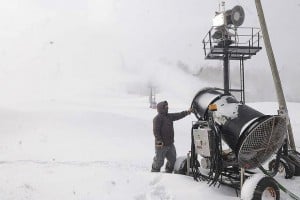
{"x":280,"y":96}
{"x":188,"y":160}
{"x":226,"y":70}
{"x":242,"y":174}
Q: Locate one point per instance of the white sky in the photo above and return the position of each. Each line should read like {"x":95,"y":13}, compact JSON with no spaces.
{"x":60,"y":48}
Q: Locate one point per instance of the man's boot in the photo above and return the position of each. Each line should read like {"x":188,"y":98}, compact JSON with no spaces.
{"x":169,"y":168}
{"x":154,"y":169}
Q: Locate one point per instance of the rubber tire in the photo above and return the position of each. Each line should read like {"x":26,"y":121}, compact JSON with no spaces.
{"x":180,"y":165}
{"x":183,"y":167}
{"x":262,"y":185}
{"x":289,"y":167}
{"x":295,"y":158}
{"x":297,"y":171}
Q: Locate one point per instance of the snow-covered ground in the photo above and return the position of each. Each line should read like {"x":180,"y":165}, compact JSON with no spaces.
{"x":99,"y":150}
{"x":68,"y":127}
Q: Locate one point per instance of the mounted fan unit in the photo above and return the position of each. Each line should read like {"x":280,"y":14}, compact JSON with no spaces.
{"x":235,"y":16}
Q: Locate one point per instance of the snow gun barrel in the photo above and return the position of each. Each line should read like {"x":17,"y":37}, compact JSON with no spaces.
{"x":253,"y":136}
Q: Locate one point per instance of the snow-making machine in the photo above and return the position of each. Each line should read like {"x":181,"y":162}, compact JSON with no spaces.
{"x":231,"y":142}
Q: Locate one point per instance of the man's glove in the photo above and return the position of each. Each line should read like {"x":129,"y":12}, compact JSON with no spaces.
{"x":190,"y":110}
{"x":159,"y":144}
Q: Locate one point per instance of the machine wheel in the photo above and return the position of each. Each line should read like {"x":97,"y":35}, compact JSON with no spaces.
{"x":266,"y":188}
{"x":297,"y":171}
{"x":295,"y":156}
{"x":285,"y":168}
{"x":261,"y":187}
{"x":180,"y":166}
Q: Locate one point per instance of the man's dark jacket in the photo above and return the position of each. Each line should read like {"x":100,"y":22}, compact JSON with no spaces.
{"x":163,"y":124}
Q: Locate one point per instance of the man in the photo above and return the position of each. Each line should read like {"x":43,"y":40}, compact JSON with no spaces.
{"x":164,"y":137}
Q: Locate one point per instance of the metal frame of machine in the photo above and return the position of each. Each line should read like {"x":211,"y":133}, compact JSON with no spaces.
{"x":229,"y":137}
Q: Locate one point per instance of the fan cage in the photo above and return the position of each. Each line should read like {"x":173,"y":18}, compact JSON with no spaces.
{"x":261,"y":141}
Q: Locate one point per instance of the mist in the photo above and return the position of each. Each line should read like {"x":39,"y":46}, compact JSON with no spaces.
{"x":54,"y":50}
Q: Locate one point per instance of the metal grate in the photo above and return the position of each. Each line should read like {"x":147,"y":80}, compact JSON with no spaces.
{"x":262,"y":141}
{"x":245,"y":43}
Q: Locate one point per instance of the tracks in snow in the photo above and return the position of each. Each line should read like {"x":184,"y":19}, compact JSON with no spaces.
{"x":104,"y":164}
